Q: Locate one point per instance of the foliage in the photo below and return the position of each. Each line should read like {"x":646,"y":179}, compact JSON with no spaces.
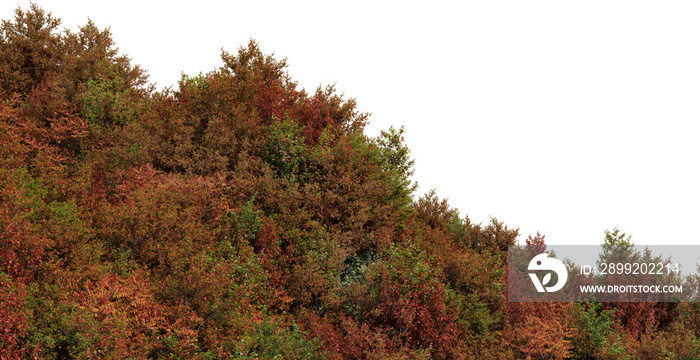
{"x":594,"y":325}
{"x":237,"y":216}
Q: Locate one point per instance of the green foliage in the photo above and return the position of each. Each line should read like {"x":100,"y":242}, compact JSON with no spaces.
{"x":58,"y":329}
{"x":104,"y":104}
{"x":124,"y":261}
{"x":475,"y":315}
{"x":270,"y":339}
{"x":286,"y":151}
{"x":198,"y":81}
{"x":618,"y":247}
{"x":355,"y":267}
{"x":395,"y":154}
{"x":594,"y":325}
{"x":397,"y":164}
{"x":247,"y":221}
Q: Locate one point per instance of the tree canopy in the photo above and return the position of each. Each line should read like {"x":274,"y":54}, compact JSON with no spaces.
{"x":238,"y":216}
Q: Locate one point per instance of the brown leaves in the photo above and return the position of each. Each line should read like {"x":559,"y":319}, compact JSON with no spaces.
{"x":540,"y":329}
{"x":29,"y":49}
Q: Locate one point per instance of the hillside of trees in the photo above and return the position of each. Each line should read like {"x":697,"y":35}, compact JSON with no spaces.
{"x":237,"y":216}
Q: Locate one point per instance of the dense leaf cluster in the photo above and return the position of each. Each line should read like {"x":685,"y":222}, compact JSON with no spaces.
{"x":238,"y":216}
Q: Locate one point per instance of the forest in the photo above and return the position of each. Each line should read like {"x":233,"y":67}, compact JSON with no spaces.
{"x":238,"y":216}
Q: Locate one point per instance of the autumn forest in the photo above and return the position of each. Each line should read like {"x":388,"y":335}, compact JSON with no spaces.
{"x":237,"y":216}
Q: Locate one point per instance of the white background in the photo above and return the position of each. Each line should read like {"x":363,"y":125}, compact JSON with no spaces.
{"x":564,"y":117}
